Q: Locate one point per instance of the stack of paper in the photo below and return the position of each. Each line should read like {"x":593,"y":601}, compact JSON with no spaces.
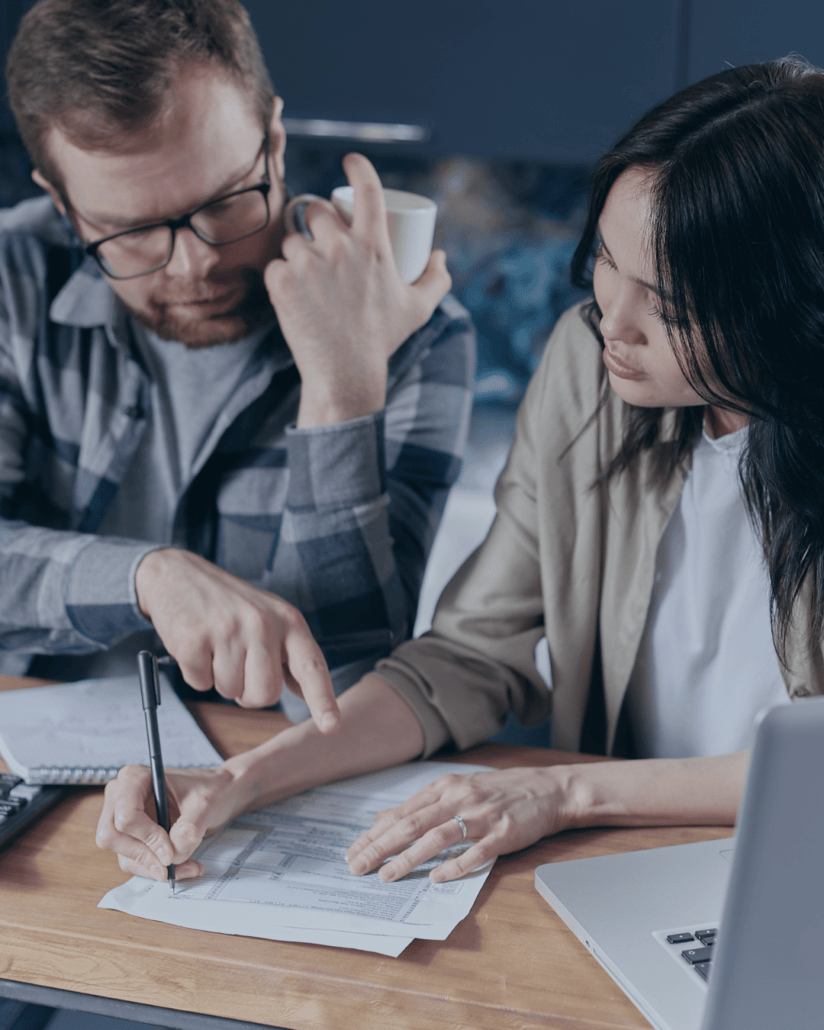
{"x":280,"y":873}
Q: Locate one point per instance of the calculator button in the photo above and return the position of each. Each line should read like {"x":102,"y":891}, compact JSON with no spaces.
{"x":680,"y":938}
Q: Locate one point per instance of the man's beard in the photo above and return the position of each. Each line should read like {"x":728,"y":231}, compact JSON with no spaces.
{"x":254,"y":310}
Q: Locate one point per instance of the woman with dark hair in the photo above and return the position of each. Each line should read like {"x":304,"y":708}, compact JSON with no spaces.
{"x":659,"y":520}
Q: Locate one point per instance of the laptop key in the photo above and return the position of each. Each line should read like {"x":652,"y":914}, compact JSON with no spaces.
{"x":680,"y":938}
{"x":703,"y":969}
{"x":693,"y":955}
{"x":701,"y":934}
{"x":7,"y":782}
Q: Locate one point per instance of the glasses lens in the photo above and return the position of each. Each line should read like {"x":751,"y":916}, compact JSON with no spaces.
{"x":232,"y":218}
{"x":137,"y":252}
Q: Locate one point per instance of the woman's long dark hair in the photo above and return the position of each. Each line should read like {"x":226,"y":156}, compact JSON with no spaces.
{"x":737,"y":231}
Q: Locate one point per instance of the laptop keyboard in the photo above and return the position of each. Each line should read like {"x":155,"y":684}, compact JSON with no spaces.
{"x":22,"y":804}
{"x":699,"y":948}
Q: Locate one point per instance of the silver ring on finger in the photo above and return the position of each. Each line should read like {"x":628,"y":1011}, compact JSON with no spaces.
{"x":462,"y":824}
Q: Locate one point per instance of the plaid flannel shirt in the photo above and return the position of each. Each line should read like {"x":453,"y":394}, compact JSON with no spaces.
{"x":337,"y":519}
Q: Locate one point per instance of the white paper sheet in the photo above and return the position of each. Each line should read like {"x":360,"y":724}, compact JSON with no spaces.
{"x":280,"y":873}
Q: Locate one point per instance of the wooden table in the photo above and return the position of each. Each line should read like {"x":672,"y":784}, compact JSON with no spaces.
{"x":511,"y":964}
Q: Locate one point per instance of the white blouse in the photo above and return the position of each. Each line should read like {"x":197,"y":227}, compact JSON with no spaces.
{"x":707,"y":664}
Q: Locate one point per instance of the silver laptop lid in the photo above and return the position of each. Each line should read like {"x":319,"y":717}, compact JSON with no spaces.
{"x":775,"y":891}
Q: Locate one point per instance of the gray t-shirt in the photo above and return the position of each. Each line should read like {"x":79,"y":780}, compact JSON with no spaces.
{"x":190,"y":387}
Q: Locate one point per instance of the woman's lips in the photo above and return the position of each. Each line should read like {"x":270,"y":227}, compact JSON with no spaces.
{"x":618,"y":368}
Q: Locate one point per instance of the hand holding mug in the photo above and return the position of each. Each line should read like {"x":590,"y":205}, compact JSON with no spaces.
{"x":410,"y":221}
{"x":341,"y":303}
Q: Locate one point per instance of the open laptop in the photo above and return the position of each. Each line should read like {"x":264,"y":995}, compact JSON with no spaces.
{"x":748,"y":911}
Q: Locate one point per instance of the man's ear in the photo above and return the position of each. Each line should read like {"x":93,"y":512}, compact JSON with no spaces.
{"x":44,"y":184}
{"x":277,"y":138}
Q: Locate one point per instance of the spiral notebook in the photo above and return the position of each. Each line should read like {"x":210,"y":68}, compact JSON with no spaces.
{"x":84,"y":732}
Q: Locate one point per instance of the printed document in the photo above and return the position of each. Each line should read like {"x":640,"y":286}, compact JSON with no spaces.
{"x":280,"y":872}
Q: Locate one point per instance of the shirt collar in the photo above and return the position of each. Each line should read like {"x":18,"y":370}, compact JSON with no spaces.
{"x":85,"y":299}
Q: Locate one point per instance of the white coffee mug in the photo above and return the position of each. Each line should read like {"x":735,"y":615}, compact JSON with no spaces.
{"x":410,"y":219}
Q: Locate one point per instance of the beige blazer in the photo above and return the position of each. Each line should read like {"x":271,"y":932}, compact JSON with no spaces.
{"x":565,"y":559}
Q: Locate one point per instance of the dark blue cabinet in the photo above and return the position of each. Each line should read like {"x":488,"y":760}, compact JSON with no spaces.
{"x":533,"y":79}
{"x":549,"y":80}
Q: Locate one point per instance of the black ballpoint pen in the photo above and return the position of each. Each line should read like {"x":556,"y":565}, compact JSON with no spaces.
{"x":150,"y":692}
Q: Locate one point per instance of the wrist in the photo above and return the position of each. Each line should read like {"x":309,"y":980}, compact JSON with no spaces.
{"x":341,"y":402}
{"x":584,"y":803}
{"x":273,"y":770}
{"x":145,"y":578}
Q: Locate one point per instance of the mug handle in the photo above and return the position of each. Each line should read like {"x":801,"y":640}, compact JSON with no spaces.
{"x":294,"y":214}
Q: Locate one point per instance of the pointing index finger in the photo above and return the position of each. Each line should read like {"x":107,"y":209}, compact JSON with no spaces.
{"x":307,"y":668}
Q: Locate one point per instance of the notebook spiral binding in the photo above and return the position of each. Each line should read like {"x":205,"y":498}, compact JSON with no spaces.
{"x":59,"y":776}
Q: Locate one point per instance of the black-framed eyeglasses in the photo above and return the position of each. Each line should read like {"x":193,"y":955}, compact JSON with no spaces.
{"x":227,"y":219}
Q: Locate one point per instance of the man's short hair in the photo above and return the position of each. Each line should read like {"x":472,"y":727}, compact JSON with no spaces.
{"x":100,"y":70}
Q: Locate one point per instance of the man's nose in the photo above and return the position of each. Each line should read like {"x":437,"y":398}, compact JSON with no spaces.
{"x":191,"y":257}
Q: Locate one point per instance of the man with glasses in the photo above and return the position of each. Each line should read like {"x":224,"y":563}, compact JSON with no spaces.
{"x":215,"y":438}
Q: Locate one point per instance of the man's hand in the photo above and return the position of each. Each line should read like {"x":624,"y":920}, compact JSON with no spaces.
{"x":342,"y":306}
{"x":200,"y":802}
{"x":221,"y":630}
{"x":504,"y":810}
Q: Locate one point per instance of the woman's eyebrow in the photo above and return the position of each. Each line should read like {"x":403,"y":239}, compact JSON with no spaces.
{"x":641,"y":282}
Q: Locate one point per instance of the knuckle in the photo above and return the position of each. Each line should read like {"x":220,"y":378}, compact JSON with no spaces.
{"x":307,"y":665}
{"x":292,"y":618}
{"x":128,"y":775}
{"x":258,"y":622}
{"x":475,"y":795}
{"x":444,"y":784}
{"x":413,"y":826}
{"x":105,"y":838}
{"x":506,"y":824}
{"x":124,"y":820}
{"x":441,"y":837}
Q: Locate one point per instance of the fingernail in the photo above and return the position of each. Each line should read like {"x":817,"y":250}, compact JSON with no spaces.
{"x":165,"y":856}
{"x":357,"y":866}
{"x":159,"y":871}
{"x":328,"y":723}
{"x":388,"y":873}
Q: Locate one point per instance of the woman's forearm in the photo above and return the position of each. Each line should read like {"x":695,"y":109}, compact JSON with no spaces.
{"x":378,"y":728}
{"x":658,"y":792}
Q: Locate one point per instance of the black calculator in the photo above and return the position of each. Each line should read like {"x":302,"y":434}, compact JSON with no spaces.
{"x":22,"y":804}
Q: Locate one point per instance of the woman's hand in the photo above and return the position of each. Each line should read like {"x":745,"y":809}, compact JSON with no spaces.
{"x":504,"y":810}
{"x":201,"y":801}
